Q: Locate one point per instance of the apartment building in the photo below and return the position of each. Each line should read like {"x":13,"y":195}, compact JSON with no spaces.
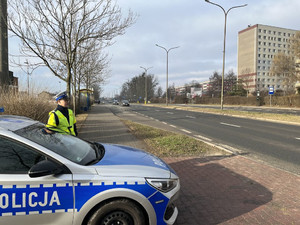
{"x":257,"y":46}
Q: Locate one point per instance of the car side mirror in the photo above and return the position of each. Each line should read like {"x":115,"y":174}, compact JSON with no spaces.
{"x":44,"y":168}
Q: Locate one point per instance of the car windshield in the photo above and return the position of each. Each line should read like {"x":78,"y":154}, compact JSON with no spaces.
{"x":68,"y":146}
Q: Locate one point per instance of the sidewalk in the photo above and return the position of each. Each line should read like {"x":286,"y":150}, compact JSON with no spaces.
{"x":214,"y":190}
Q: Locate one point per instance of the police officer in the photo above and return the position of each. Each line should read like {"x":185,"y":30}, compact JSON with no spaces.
{"x":62,"y":119}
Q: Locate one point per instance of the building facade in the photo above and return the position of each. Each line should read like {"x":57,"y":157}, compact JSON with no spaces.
{"x":257,"y":46}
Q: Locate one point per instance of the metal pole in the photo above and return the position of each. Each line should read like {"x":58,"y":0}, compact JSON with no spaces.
{"x":224,"y":44}
{"x":26,"y":62}
{"x":146,"y":90}
{"x":167,"y":51}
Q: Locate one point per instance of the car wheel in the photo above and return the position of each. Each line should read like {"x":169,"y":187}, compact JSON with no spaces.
{"x":119,"y":212}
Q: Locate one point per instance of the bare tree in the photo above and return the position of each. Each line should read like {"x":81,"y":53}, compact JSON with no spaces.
{"x":54,"y":30}
{"x":90,"y":69}
{"x":285,"y":66}
{"x":247,"y":79}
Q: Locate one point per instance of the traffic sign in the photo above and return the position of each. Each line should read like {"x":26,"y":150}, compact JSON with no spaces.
{"x":271,"y":90}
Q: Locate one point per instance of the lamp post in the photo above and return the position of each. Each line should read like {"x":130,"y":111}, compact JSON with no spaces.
{"x":224,"y":43}
{"x":146,"y":91}
{"x":167,"y":51}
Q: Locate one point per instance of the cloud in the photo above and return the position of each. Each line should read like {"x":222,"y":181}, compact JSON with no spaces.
{"x":195,"y":26}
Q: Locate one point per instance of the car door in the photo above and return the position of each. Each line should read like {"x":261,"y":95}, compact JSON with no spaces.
{"x":35,"y":201}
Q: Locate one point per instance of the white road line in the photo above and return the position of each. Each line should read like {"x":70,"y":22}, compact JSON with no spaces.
{"x":231,"y":125}
{"x":192,"y":117}
{"x":170,"y":113}
{"x":186,"y":131}
{"x":203,"y":138}
{"x":173,"y":126}
{"x":297,"y":138}
{"x":164,"y":122}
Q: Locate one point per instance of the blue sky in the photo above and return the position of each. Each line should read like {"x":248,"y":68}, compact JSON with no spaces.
{"x":194,"y":25}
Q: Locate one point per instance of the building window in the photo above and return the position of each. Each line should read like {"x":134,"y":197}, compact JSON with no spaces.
{"x":259,"y":30}
{"x":279,"y":33}
{"x":279,"y":39}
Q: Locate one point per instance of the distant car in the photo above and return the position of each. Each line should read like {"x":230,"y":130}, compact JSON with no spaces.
{"x":97,"y":101}
{"x":115,"y":102}
{"x":61,"y":179}
{"x":125,"y":103}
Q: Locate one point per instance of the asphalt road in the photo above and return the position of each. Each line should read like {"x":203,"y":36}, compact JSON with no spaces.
{"x":276,"y":144}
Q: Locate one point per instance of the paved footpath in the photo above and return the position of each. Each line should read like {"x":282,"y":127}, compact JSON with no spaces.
{"x":214,"y":190}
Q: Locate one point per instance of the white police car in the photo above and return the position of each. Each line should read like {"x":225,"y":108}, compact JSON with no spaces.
{"x":61,"y":179}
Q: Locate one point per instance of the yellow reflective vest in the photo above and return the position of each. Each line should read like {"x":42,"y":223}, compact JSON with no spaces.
{"x":63,"y":125}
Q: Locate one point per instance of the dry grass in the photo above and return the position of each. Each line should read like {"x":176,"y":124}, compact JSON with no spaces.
{"x":31,"y":106}
{"x":25,"y":105}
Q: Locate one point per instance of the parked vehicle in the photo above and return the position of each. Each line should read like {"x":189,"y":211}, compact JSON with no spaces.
{"x":61,"y":179}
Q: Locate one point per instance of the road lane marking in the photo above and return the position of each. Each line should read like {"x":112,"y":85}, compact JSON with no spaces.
{"x":170,"y":113}
{"x":203,"y":138}
{"x":173,"y":126}
{"x":231,"y":125}
{"x":192,"y":117}
{"x":164,"y":122}
{"x":298,"y":138}
{"x":186,"y":131}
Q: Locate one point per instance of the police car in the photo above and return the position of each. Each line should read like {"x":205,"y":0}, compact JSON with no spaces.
{"x":61,"y":179}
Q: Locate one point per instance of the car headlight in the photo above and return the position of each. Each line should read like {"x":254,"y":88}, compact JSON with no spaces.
{"x":163,"y":185}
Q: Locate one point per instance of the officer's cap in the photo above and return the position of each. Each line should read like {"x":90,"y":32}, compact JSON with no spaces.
{"x":61,"y":95}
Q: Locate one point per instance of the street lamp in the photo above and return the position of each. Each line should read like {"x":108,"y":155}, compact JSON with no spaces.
{"x":224,"y":44}
{"x":146,"y":92}
{"x":167,"y":51}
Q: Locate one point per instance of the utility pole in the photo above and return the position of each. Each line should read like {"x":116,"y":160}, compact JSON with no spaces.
{"x":4,"y":74}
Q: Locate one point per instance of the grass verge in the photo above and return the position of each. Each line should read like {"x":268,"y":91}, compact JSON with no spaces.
{"x":165,"y":143}
{"x":254,"y":115}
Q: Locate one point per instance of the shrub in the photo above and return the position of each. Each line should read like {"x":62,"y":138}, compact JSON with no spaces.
{"x":22,"y":104}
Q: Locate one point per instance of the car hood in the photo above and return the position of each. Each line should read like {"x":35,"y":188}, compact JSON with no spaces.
{"x":126,"y":161}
